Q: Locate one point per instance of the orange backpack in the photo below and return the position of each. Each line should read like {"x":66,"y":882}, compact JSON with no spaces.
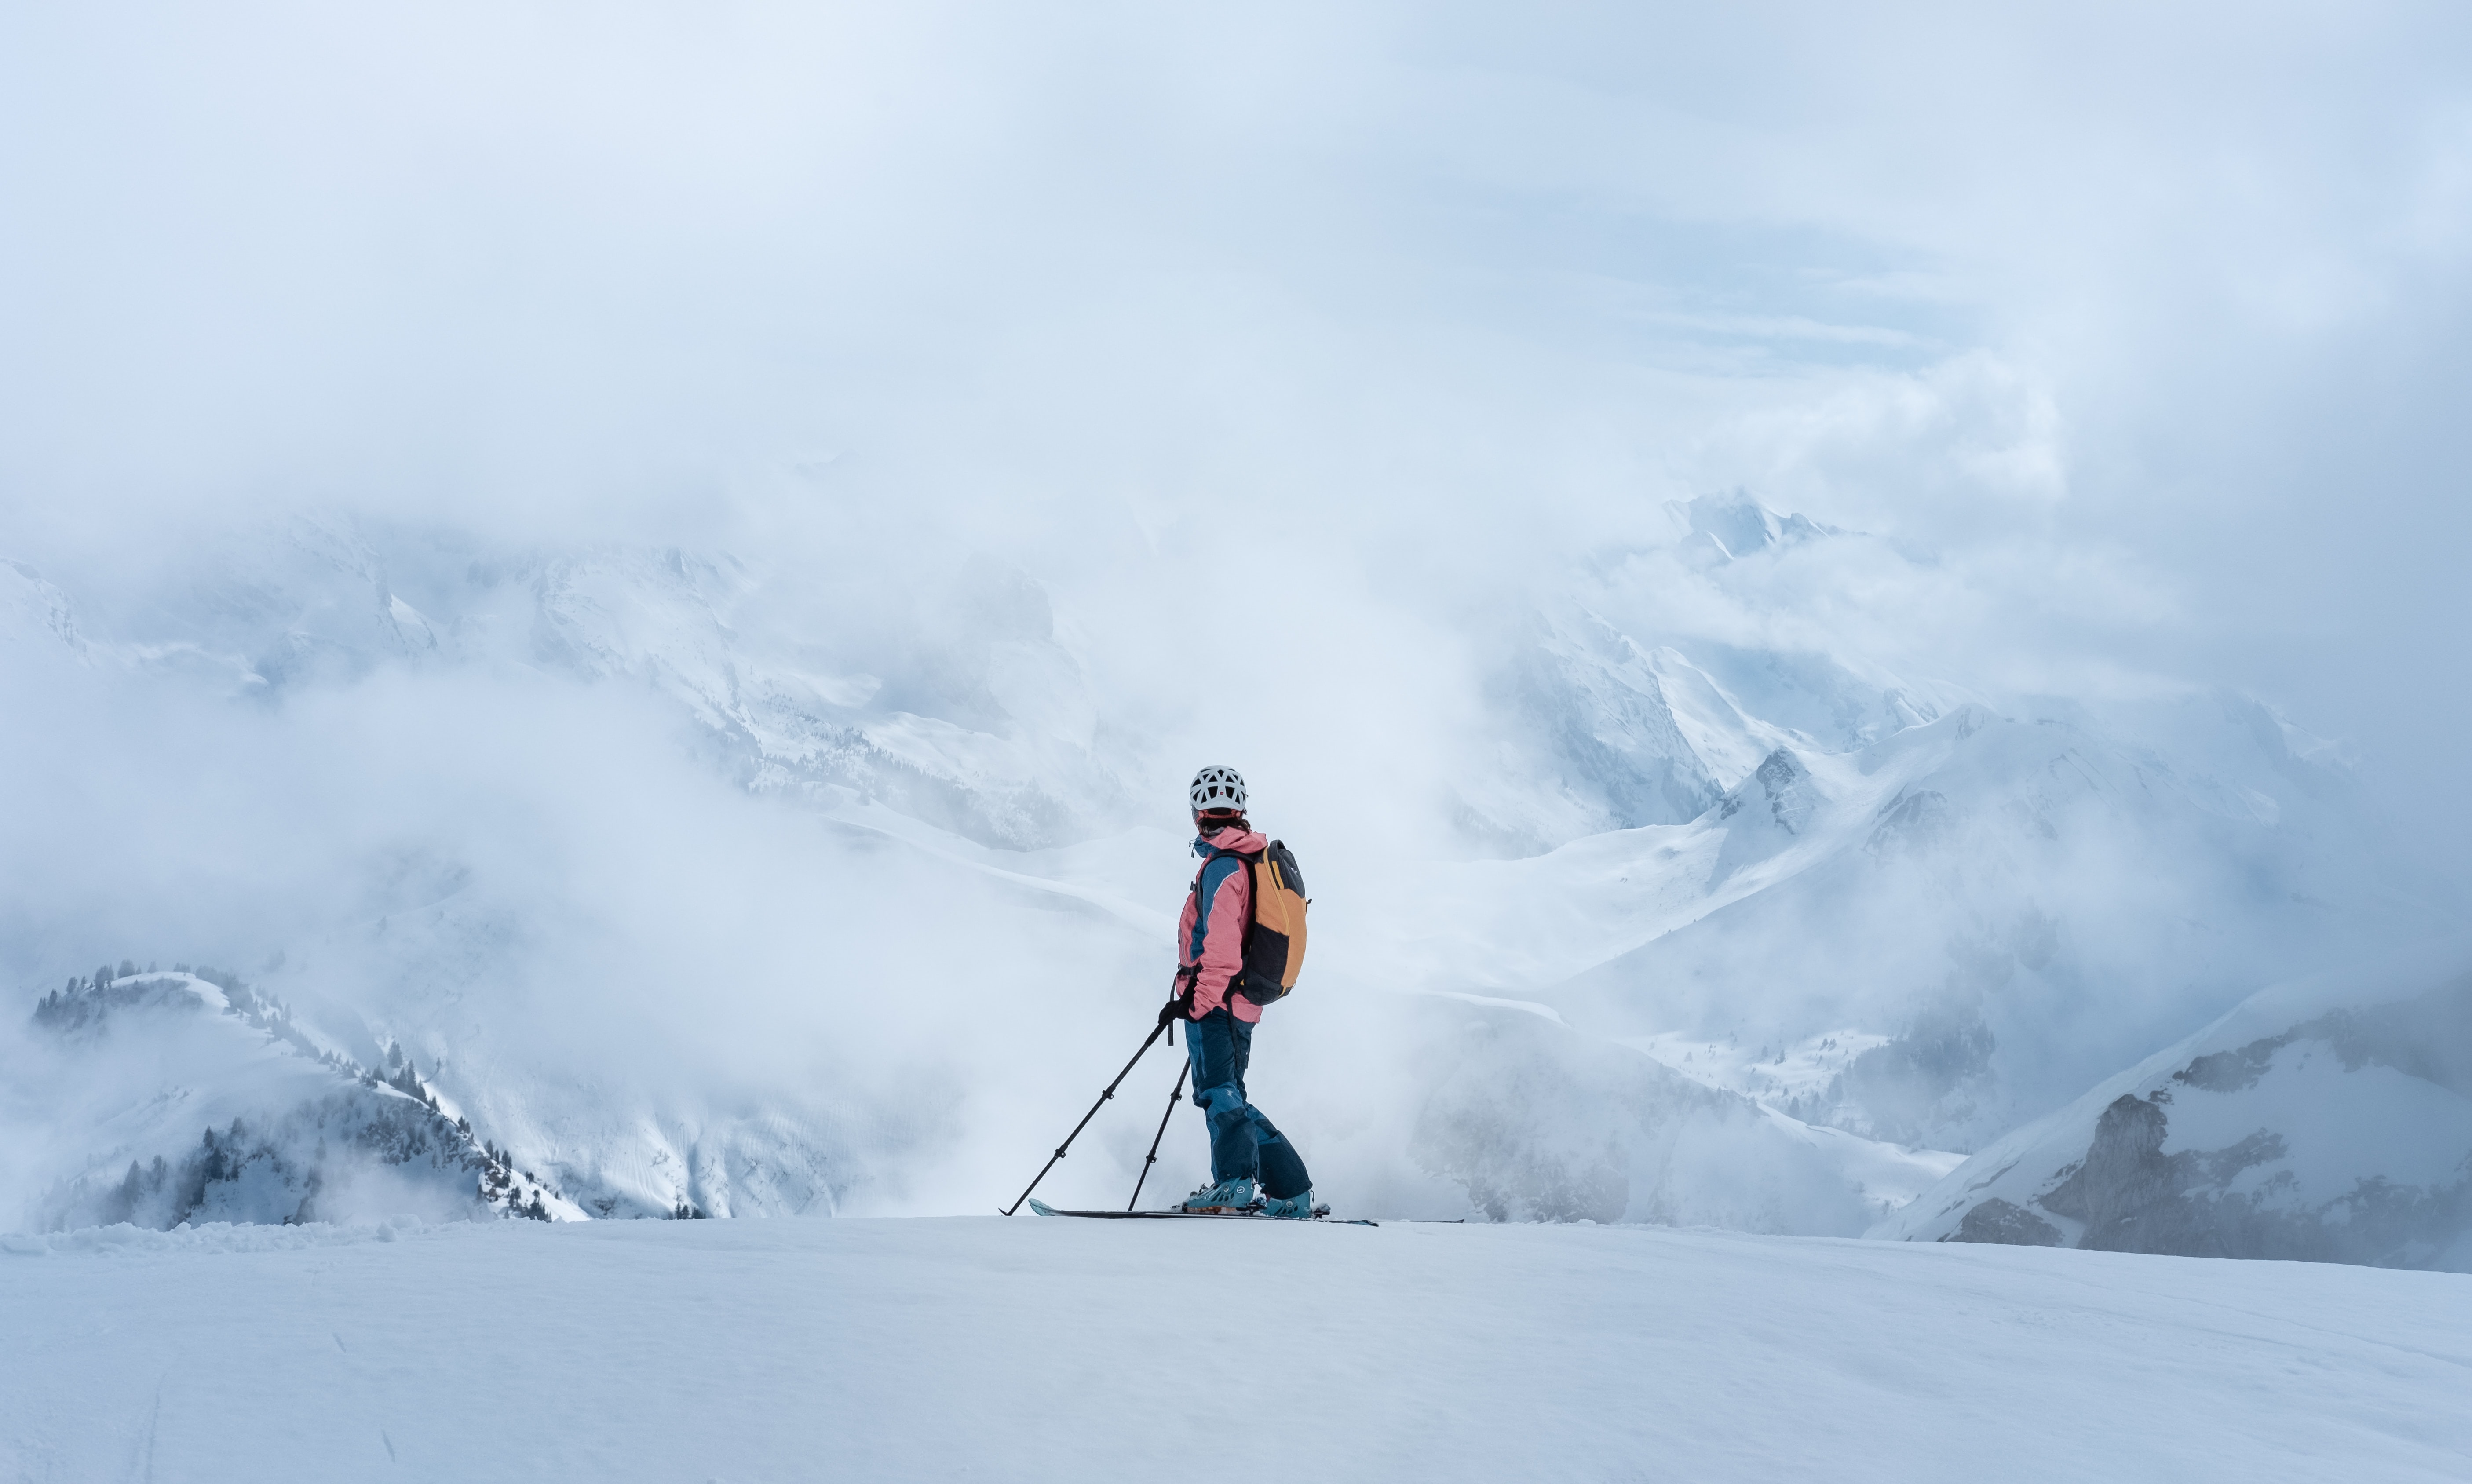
{"x":1274,"y":921}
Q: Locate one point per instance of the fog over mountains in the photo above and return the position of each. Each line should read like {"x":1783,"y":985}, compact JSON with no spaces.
{"x":628,"y":880}
{"x":605,"y":614}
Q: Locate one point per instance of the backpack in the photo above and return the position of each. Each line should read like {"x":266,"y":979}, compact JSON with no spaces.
{"x":1274,"y":921}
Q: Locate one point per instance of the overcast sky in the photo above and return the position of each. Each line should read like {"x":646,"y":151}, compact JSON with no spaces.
{"x":2152,"y":319}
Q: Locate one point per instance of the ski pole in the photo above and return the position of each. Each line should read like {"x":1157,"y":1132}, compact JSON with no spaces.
{"x":1175,"y":1096}
{"x":1085,"y":1120}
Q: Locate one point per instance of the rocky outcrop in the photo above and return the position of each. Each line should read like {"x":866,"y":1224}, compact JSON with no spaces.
{"x":2006,"y":1224}
{"x":2134,"y":1197}
{"x":2342,"y":1136}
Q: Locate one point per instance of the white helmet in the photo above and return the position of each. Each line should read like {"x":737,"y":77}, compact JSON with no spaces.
{"x":1218,"y":788}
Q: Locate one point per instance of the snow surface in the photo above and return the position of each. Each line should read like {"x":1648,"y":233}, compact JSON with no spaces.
{"x":1053,"y":1348}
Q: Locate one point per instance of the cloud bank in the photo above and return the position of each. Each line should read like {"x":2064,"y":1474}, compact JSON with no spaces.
{"x":1156,"y":388}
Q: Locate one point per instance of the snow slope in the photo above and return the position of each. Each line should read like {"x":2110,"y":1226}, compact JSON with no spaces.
{"x":1038,"y":1349}
{"x":2330,"y":1119}
{"x":224,"y":1106}
{"x":1948,"y":930}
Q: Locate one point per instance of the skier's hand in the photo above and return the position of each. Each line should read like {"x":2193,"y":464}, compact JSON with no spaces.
{"x":1180,"y":1008}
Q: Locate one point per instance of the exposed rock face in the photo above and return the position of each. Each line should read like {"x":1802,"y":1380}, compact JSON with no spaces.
{"x":2006,"y":1224}
{"x":2343,"y":1136}
{"x":2134,"y":1197}
{"x":2123,"y":1172}
{"x":1778,"y":787}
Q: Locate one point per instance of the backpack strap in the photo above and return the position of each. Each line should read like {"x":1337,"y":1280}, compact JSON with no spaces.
{"x":1252,"y":899}
{"x":1249,"y":860}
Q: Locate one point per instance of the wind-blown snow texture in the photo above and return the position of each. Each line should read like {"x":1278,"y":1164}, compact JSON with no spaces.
{"x":624,"y":882}
{"x":1038,"y":1350}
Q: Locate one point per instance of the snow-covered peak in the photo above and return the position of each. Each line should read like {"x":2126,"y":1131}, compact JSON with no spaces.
{"x":1723,"y":527}
{"x":686,"y":879}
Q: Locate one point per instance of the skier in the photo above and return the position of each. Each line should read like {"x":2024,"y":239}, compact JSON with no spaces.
{"x":1245,"y":1146}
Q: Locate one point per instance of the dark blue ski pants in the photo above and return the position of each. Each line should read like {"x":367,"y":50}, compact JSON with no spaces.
{"x":1243,"y":1144}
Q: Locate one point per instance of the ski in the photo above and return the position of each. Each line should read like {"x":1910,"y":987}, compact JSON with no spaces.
{"x":1175,"y":1213}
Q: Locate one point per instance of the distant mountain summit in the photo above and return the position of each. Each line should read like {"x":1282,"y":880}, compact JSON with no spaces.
{"x":1722,"y":528}
{"x":1732,"y":922}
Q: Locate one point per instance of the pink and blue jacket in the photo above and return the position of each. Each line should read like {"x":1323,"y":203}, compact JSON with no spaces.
{"x":1211,"y":932}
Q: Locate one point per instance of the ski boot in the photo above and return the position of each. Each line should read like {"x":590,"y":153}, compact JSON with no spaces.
{"x":1226,"y":1198}
{"x":1293,"y":1207}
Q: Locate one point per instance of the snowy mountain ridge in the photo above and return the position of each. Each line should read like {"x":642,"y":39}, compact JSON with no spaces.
{"x":292,"y":1124}
{"x":1945,"y":855}
{"x":2325,"y":1119}
{"x":1790,"y":923}
{"x":316,"y":605}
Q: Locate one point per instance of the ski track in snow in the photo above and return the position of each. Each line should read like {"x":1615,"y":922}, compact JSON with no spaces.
{"x":1034,"y":1350}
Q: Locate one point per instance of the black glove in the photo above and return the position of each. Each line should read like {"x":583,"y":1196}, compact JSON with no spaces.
{"x":1180,"y":1008}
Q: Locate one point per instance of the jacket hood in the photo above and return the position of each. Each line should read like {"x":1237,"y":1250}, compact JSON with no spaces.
{"x":1229,"y":839}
